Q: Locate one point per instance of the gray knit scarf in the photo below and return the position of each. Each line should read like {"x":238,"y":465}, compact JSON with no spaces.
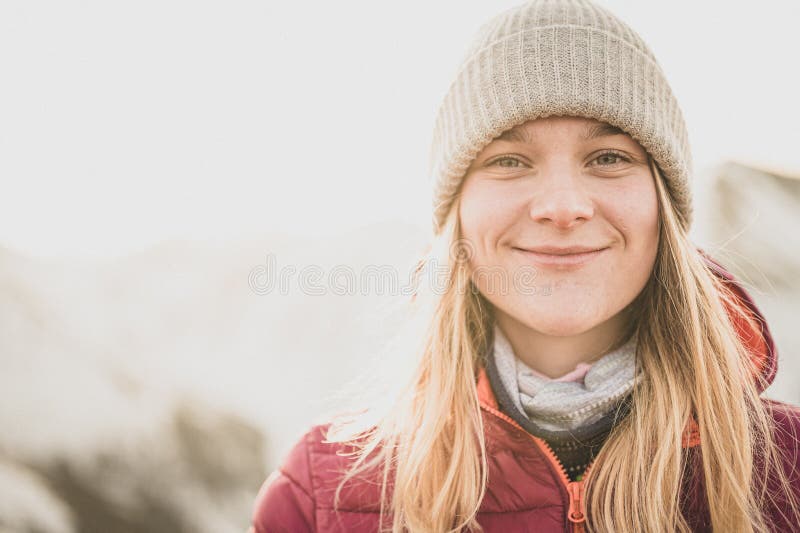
{"x":566,"y":406}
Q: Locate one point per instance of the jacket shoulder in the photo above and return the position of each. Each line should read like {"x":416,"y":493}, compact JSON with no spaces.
{"x":786,"y":432}
{"x":286,"y":500}
{"x":299,"y":496}
{"x":786,"y":424}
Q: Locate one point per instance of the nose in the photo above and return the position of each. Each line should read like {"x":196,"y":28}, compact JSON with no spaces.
{"x":563,"y":202}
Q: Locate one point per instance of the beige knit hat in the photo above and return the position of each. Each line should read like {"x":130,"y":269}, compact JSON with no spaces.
{"x":557,"y":57}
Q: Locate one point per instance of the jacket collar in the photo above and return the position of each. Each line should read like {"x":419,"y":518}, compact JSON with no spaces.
{"x":758,"y":340}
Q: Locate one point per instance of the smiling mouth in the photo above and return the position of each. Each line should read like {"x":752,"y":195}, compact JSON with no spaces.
{"x":561,"y":258}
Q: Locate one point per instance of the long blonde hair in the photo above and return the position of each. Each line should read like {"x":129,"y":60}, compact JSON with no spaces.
{"x":430,"y":444}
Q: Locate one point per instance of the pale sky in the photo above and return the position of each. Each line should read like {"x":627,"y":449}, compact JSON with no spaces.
{"x":126,"y":123}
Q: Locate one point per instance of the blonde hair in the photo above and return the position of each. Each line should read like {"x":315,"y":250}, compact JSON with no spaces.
{"x":430,"y":441}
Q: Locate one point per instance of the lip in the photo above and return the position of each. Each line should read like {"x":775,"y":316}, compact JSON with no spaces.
{"x":553,"y":256}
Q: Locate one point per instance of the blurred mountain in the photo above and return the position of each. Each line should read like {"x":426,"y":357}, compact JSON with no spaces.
{"x":757,"y":221}
{"x":155,"y":392}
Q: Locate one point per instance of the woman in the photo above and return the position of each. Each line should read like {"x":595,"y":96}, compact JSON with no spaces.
{"x":585,"y":367}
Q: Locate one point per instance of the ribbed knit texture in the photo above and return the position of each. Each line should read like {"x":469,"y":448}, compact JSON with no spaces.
{"x":575,"y":455}
{"x":557,"y":57}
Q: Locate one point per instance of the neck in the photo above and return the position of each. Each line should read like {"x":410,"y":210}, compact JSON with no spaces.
{"x":554,"y":355}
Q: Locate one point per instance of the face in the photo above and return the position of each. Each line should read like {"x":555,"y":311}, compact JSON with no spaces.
{"x":565,"y":209}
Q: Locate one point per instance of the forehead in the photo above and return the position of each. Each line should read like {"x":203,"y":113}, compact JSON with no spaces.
{"x":589,"y":130}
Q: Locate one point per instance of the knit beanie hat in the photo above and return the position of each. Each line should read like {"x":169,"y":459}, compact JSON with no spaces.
{"x":557,"y":57}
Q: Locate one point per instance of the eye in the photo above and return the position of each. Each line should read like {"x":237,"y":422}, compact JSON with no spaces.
{"x":506,"y":162}
{"x":611,"y":158}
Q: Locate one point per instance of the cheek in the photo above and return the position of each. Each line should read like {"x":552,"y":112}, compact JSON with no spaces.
{"x":634,"y":212}
{"x":629,"y":211}
{"x":635,"y":215}
{"x":484,"y":212}
{"x":470,"y":212}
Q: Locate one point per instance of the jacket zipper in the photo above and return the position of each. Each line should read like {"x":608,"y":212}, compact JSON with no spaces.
{"x":576,"y":514}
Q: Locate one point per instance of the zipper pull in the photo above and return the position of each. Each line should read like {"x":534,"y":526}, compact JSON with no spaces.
{"x":576,"y":514}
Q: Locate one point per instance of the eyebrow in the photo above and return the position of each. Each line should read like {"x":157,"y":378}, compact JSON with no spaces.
{"x":594,"y":131}
{"x":519,"y":135}
{"x":601,"y":130}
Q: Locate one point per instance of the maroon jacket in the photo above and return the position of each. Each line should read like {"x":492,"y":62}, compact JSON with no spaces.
{"x":528,"y":490}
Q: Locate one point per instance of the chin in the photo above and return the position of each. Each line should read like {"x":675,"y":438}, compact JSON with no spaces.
{"x":561,"y":324}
